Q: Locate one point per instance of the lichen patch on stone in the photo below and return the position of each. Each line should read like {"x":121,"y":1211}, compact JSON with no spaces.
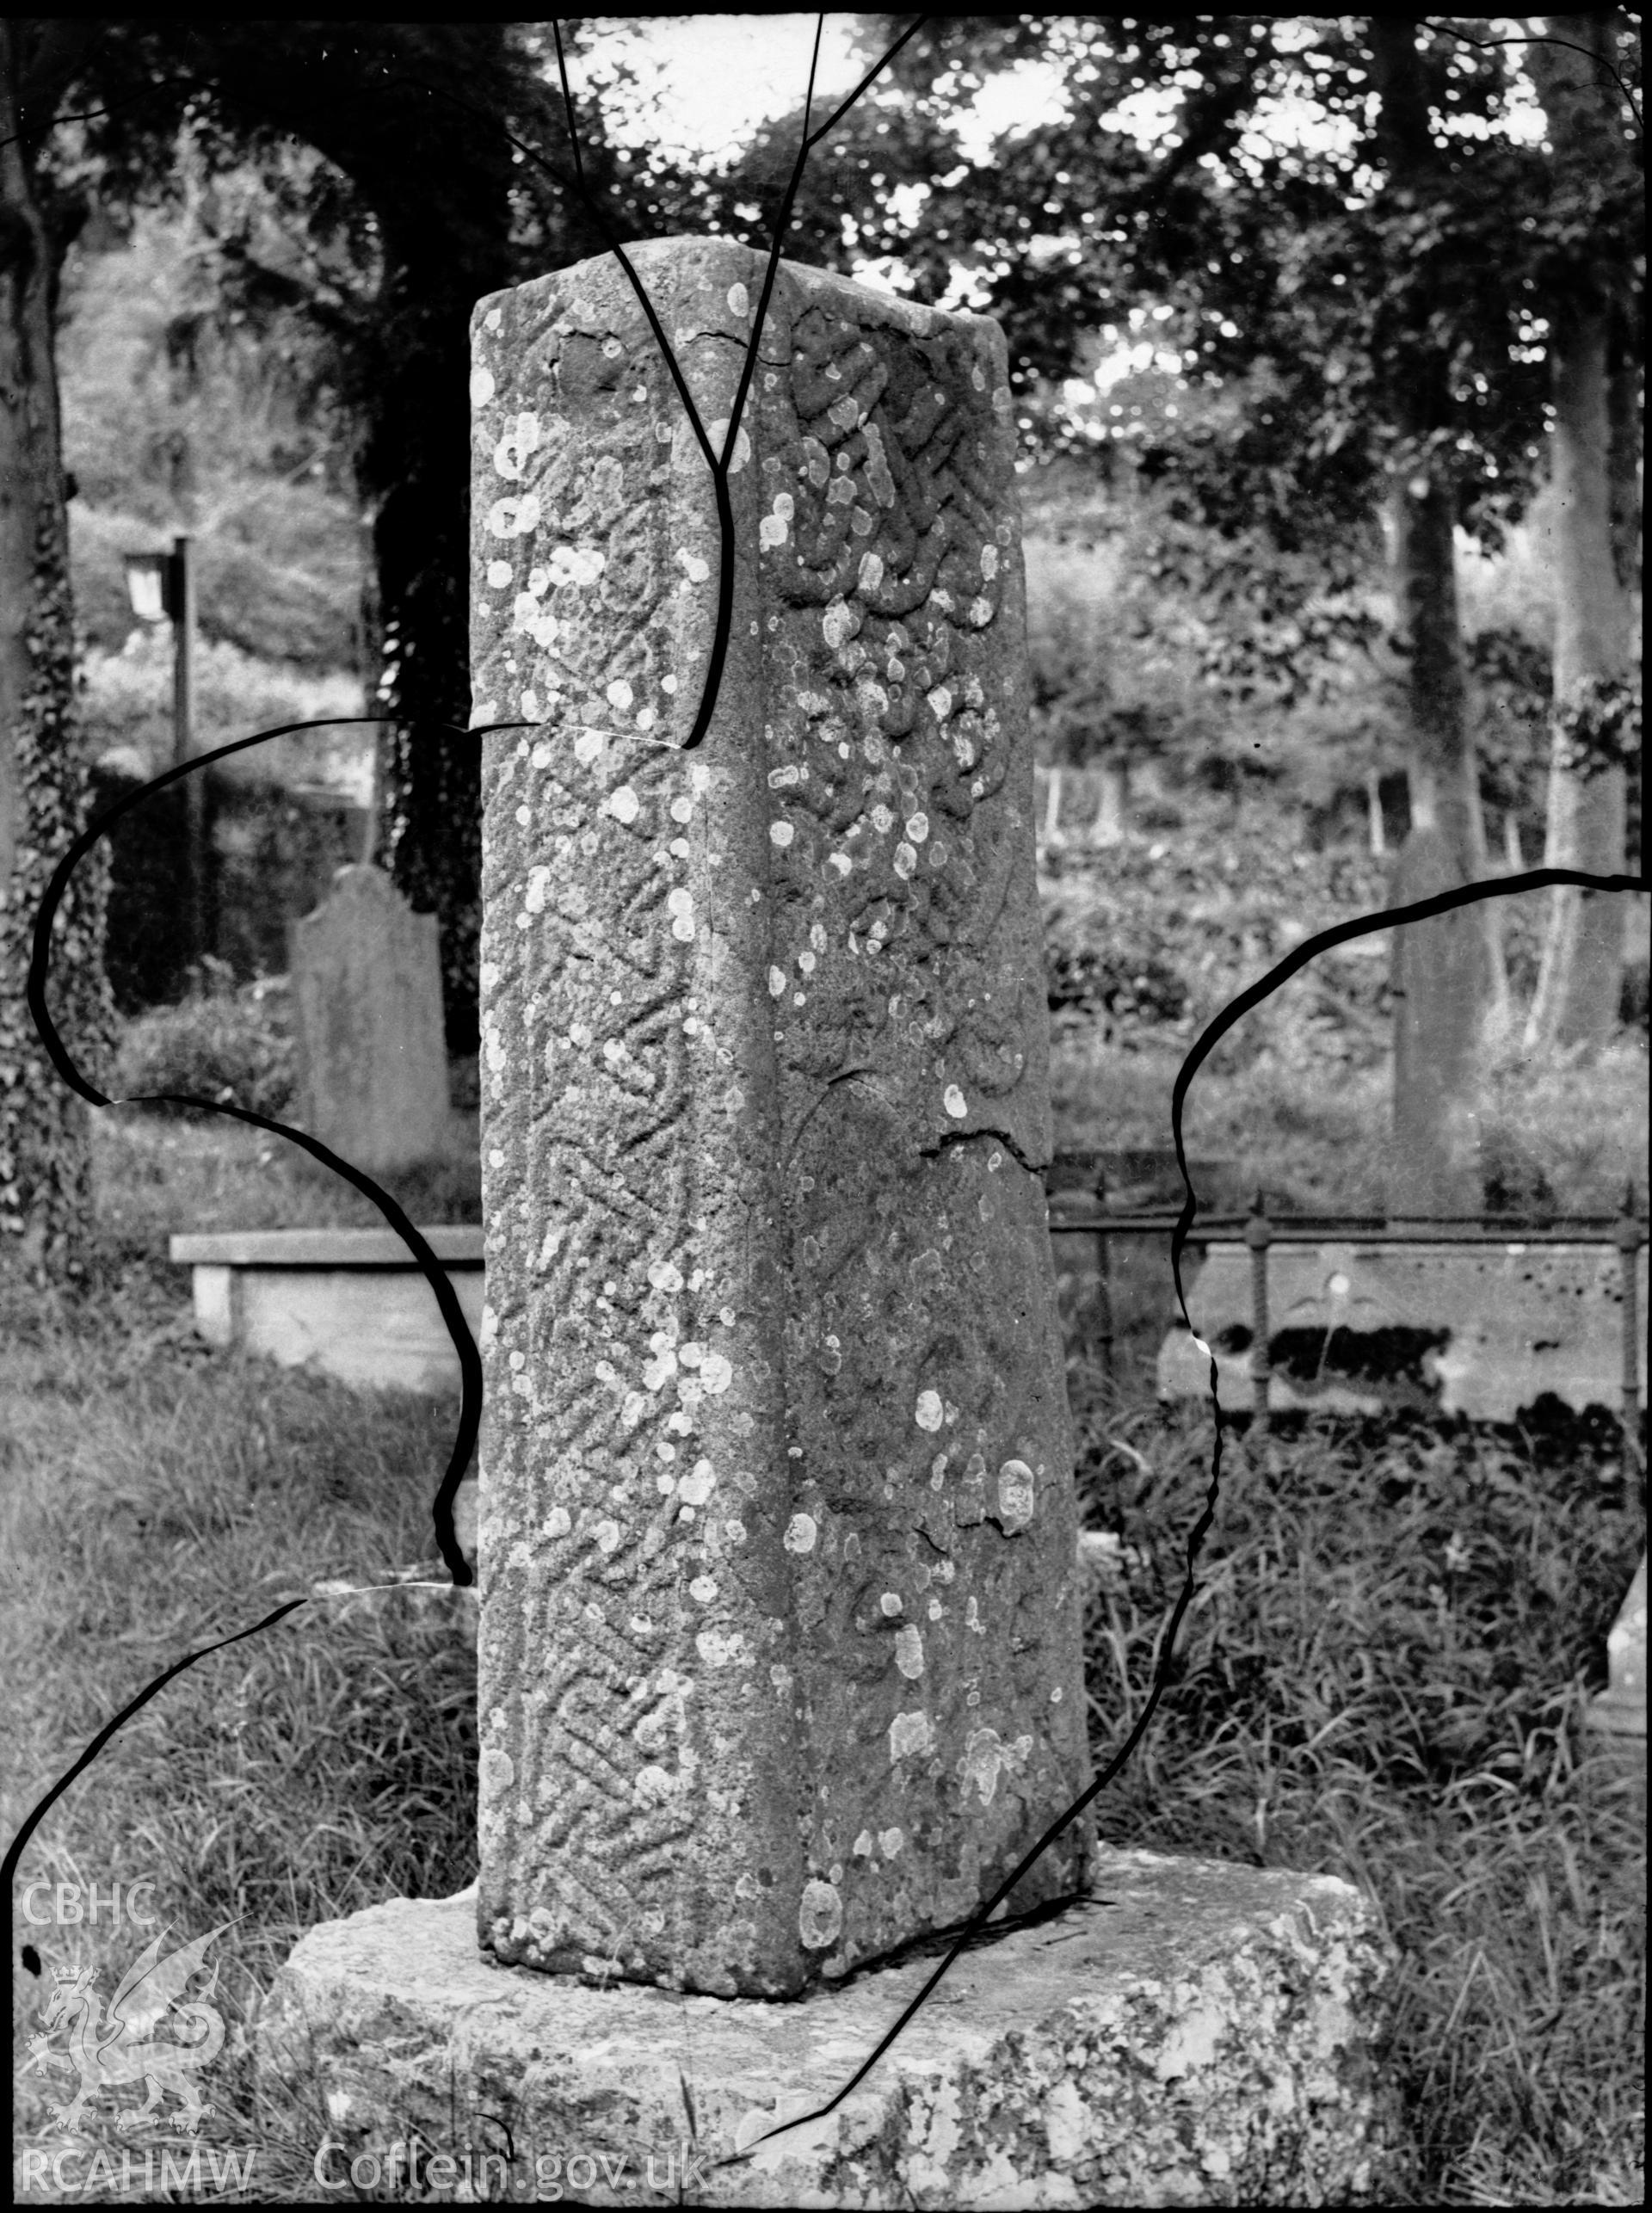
{"x":820,"y":1915}
{"x":909,"y":1736}
{"x":986,"y":1756}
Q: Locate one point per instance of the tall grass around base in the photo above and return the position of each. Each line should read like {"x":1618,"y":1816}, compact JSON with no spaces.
{"x":158,"y":1496}
{"x":1382,"y":1678}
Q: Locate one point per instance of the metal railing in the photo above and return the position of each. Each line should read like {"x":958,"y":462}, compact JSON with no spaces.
{"x":1076,"y":1181}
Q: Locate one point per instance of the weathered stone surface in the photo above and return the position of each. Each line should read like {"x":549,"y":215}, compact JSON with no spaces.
{"x":1514,"y":1321}
{"x":780,"y":1648}
{"x":366,"y":993}
{"x":1195,"y":2034}
{"x":1621,"y":1707}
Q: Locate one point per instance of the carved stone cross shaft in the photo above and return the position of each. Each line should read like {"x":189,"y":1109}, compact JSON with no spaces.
{"x":780,"y":1660}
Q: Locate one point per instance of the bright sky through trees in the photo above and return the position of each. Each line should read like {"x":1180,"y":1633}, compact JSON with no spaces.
{"x":704,"y":84}
{"x":699,"y":87}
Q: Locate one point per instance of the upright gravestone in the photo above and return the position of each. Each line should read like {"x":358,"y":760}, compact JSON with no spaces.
{"x":366,"y":988}
{"x":780,"y":1654}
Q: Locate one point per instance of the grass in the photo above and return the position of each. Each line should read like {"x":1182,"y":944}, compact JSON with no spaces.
{"x":157,"y":1497}
{"x":1555,"y":1131}
{"x":1382,"y":1677}
{"x":155,"y":1175}
{"x":157,"y":1170}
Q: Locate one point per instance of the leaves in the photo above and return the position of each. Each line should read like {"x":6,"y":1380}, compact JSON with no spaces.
{"x":1598,"y":728}
{"x":1349,"y":260}
{"x":1148,"y":936}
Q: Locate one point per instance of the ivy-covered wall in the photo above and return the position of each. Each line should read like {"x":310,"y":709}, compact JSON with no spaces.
{"x":45,"y":1190}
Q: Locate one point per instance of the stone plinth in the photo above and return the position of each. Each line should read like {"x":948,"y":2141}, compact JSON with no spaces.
{"x":780,"y":1650}
{"x":366,"y":993}
{"x":1195,"y":2034}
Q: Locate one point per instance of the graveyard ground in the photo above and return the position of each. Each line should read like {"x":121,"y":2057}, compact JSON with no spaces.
{"x":1382,"y":1677}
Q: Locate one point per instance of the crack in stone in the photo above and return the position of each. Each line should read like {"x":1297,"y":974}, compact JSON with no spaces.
{"x":969,"y":1136}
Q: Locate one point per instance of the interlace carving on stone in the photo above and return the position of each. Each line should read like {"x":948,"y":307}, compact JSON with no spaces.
{"x":880,"y":548}
{"x":578,"y":535}
{"x":901,"y":945}
{"x":590,"y":1226}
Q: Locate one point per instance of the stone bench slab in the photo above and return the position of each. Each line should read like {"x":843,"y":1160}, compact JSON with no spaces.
{"x":1190,"y":2033}
{"x":458,"y":1242}
{"x":351,"y":1301}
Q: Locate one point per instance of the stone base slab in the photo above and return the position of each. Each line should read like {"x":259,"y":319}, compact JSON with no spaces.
{"x":1192,"y":2033}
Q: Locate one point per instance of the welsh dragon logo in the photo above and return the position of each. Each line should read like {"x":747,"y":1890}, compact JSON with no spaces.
{"x":118,"y":2045}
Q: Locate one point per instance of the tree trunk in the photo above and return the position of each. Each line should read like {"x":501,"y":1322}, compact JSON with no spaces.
{"x":1580,"y":980}
{"x":1441,"y":772}
{"x":415,"y":469}
{"x":439,"y":183}
{"x":1448,"y":973}
{"x":1442,"y":972}
{"x":45,"y":1138}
